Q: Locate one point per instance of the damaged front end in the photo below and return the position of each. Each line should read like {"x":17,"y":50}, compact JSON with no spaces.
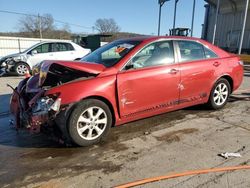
{"x":32,"y":107}
{"x":8,"y":63}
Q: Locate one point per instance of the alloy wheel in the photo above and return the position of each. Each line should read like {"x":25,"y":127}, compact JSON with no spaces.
{"x":21,"y":69}
{"x":92,"y":123}
{"x":220,"y":94}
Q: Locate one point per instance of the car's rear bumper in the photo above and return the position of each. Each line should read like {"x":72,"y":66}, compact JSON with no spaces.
{"x":238,"y":75}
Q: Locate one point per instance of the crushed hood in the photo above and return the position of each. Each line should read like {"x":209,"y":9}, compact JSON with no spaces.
{"x":92,"y":68}
{"x":54,"y":73}
{"x":10,"y":56}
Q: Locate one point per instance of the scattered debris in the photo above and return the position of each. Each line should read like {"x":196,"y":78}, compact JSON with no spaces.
{"x":135,"y":152}
{"x":241,"y":149}
{"x":227,"y":155}
{"x":11,"y":123}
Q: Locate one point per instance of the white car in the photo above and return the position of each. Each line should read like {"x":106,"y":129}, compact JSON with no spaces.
{"x":22,"y":62}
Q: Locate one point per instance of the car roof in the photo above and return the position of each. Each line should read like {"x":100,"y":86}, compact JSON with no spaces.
{"x":54,"y":41}
{"x":152,"y":38}
{"x":144,"y":38}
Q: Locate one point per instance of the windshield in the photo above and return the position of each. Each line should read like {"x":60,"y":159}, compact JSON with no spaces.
{"x":25,"y":51}
{"x":109,"y":54}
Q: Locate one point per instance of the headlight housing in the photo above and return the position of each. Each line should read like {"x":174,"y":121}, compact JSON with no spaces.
{"x":3,"y":64}
{"x":10,"y":61}
{"x":46,"y":104}
{"x":17,"y":58}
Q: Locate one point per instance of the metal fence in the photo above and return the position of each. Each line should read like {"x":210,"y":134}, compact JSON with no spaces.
{"x":10,"y":45}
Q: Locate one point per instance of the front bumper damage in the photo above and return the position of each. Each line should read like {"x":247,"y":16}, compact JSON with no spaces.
{"x":33,"y":110}
{"x":6,"y":66}
{"x":36,"y":102}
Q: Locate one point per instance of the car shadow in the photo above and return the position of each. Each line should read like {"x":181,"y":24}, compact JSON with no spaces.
{"x":4,"y":103}
{"x":24,"y":139}
{"x":9,"y":136}
{"x":7,"y":74}
{"x":242,"y":97}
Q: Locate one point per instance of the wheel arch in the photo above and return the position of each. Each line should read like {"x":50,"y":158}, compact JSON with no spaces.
{"x":17,"y":62}
{"x":229,"y":79}
{"x":107,"y":102}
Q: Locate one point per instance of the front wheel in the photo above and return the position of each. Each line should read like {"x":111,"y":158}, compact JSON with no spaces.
{"x":21,"y":68}
{"x":219,"y":94}
{"x":89,"y":122}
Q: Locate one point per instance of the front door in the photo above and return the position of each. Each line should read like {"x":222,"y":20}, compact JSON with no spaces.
{"x":40,"y":53}
{"x":149,"y":82}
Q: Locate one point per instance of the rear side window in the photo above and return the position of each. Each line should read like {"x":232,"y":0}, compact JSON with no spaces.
{"x":209,"y":53}
{"x":44,"y":48}
{"x":191,"y":51}
{"x":60,"y":47}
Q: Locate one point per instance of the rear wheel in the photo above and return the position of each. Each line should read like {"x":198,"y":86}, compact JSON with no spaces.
{"x":89,"y":122}
{"x":21,"y":68}
{"x":219,"y":94}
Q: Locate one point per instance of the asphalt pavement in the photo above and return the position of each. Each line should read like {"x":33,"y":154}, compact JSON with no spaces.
{"x":187,"y":139}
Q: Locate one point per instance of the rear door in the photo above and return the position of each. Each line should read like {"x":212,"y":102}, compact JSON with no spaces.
{"x":63,"y":51}
{"x":149,"y":83}
{"x":198,"y":66}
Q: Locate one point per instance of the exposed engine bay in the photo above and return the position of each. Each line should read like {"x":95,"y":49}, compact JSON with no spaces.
{"x":58,"y":75}
{"x":32,"y":107}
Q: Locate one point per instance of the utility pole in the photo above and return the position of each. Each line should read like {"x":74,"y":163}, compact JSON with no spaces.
{"x":175,"y":6}
{"x":40,"y":26}
{"x":192,"y":24}
{"x":159,"y":20}
{"x":216,"y":18}
{"x":160,"y":2}
{"x":243,"y":27}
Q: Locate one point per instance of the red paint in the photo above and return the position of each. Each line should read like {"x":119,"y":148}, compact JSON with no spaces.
{"x":88,"y":67}
{"x":140,"y":93}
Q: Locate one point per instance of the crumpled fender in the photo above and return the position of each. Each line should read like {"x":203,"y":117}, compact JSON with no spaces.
{"x":78,"y":90}
{"x":14,"y":100}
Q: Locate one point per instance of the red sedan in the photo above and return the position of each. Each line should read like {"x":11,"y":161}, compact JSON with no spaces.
{"x":123,"y":81}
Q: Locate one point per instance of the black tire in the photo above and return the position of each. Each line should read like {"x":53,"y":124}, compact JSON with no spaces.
{"x":21,"y":68}
{"x":212,"y":104}
{"x":79,"y":111}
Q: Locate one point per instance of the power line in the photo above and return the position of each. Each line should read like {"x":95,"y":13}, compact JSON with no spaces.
{"x":59,"y":21}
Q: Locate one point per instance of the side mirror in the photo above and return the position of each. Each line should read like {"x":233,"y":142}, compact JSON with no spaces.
{"x":33,"y":52}
{"x":129,"y":66}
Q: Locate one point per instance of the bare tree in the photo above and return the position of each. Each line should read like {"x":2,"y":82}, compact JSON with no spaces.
{"x":37,"y":24}
{"x":106,"y":26}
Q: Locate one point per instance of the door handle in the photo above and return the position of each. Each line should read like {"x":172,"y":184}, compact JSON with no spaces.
{"x":173,"y":71}
{"x":216,"y":64}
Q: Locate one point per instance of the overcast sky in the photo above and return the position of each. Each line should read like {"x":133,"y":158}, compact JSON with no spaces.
{"x":137,"y":16}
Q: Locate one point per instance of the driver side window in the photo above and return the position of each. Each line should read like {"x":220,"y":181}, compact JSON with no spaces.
{"x":158,"y":53}
{"x":44,"y":48}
